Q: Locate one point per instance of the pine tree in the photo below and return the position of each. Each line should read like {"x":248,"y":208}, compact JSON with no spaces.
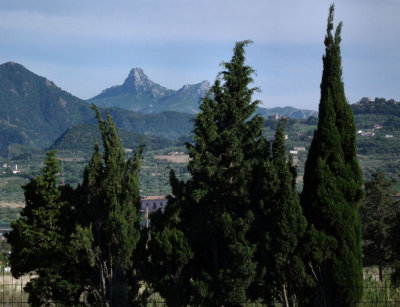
{"x":378,"y":212}
{"x":39,"y":239}
{"x":333,"y":188}
{"x":210,"y":213}
{"x":107,"y":210}
{"x":278,"y":227}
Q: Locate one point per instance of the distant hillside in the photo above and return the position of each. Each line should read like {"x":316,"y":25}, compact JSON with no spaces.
{"x":33,"y":110}
{"x":166,"y":124}
{"x":138,"y":93}
{"x":287,"y":112}
{"x":82,"y":137}
{"x":380,"y":111}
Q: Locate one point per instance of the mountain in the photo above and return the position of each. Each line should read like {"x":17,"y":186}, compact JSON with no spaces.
{"x":79,"y":136}
{"x":33,"y":110}
{"x":167,"y":124}
{"x":287,"y":112}
{"x":138,"y":93}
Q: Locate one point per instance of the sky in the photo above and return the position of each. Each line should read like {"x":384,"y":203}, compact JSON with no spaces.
{"x":86,"y":46}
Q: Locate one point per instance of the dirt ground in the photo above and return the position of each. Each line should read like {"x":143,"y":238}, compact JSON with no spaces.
{"x":174,"y":158}
{"x":4,"y":204}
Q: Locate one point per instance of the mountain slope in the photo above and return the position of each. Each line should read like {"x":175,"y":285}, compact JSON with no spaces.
{"x":82,"y":137}
{"x":33,"y":110}
{"x":138,"y":93}
{"x":287,"y":112}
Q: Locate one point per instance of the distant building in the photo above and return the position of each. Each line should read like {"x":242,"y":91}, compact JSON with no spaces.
{"x":16,"y":170}
{"x":273,"y":117}
{"x":300,"y":148}
{"x":293,"y":152}
{"x":378,"y":126}
{"x":366,"y":133}
{"x":149,"y":204}
{"x":153,"y":203}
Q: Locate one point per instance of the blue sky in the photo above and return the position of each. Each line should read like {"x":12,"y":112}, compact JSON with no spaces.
{"x":85,"y":46}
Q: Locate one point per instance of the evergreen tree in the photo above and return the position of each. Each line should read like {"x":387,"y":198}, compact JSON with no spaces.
{"x":333,"y":188}
{"x":107,"y":210}
{"x":39,"y":239}
{"x":378,"y":212}
{"x":279,"y":226}
{"x":210,"y":213}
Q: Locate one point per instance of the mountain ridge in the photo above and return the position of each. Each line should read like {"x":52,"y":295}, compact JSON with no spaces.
{"x":139,"y":93}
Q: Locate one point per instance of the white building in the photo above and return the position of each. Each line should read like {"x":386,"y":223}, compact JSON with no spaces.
{"x":149,"y":204}
{"x":153,"y":203}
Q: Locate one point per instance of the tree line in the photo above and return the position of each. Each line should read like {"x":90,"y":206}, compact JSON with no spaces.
{"x":236,"y":232}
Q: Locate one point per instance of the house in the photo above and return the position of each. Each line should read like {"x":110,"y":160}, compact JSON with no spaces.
{"x":300,"y":148}
{"x":149,"y":204}
{"x":273,"y":117}
{"x":16,"y":170}
{"x":153,"y":203}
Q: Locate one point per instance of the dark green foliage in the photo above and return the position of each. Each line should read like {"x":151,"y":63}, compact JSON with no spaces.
{"x":107,"y":208}
{"x":167,"y":124}
{"x":79,"y":136}
{"x":333,"y":188}
{"x":209,"y":216}
{"x":34,"y":110}
{"x":39,"y":239}
{"x":377,"y":212}
{"x":278,"y":227}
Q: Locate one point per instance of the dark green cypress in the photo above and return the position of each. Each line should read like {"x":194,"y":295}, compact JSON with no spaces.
{"x":40,"y":237}
{"x":107,"y":209}
{"x":278,"y":227}
{"x":210,"y":214}
{"x":378,"y":212}
{"x":333,"y":188}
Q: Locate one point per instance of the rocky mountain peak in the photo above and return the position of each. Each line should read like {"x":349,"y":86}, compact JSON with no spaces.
{"x":137,"y":79}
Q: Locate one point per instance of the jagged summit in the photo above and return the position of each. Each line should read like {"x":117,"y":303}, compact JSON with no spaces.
{"x":138,"y":93}
{"x":137,"y":79}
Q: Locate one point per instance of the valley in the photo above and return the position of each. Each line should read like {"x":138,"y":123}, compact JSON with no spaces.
{"x":37,"y":116}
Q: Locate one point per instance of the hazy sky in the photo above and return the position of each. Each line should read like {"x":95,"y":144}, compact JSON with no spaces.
{"x":85,"y":46}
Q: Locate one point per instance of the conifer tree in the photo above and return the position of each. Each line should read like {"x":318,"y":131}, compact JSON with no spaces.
{"x":39,"y":239}
{"x":107,"y":210}
{"x":378,"y":212}
{"x":333,"y":188}
{"x":210,"y":213}
{"x":278,"y":227}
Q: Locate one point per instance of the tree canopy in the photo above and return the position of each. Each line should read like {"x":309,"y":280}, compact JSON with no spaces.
{"x":333,"y":188}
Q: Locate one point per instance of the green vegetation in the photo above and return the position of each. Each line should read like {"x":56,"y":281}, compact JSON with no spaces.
{"x":333,"y":189}
{"x":208,"y":219}
{"x":278,"y":228}
{"x":235,"y":231}
{"x":378,"y":212}
{"x":80,"y":242}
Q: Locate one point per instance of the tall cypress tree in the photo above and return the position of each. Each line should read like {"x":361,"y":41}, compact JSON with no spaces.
{"x":378,"y":212}
{"x":333,"y":188}
{"x":278,"y":227}
{"x":107,"y":211}
{"x":213,"y":208}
